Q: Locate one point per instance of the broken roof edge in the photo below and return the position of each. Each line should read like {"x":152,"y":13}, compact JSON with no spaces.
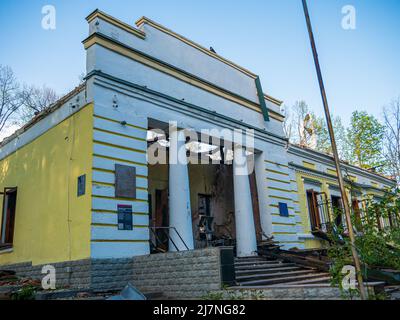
{"x":197,"y":46}
{"x":330,"y":156}
{"x":141,"y":34}
{"x":273,"y":100}
{"x":43,"y":114}
{"x":123,"y":25}
{"x":193,"y":44}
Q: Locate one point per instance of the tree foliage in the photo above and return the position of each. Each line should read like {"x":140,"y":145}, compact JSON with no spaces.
{"x":34,"y":100}
{"x":377,"y":229}
{"x":365,"y":140}
{"x":303,"y":127}
{"x":19,"y":103}
{"x":323,"y":139}
{"x":300,"y":125}
{"x":10,"y":100}
{"x":391,"y":117}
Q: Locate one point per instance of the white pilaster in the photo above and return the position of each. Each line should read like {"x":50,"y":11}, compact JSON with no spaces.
{"x":265,"y":215}
{"x":180,"y":215}
{"x":246,"y":243}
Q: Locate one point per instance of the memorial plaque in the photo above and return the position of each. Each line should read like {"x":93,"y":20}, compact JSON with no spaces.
{"x":81,"y":185}
{"x":125,"y":181}
{"x":124,"y":217}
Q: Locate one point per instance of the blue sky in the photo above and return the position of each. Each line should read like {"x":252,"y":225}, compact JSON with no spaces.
{"x":361,"y":67}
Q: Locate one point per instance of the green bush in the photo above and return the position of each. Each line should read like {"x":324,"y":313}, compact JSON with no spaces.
{"x":377,"y":247}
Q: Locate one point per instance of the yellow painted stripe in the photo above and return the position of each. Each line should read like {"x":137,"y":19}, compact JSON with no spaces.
{"x":107,"y":240}
{"x":299,"y":242}
{"x":278,"y":215}
{"x":276,"y":206}
{"x":277,"y":180}
{"x":279,"y":189}
{"x":104,"y":211}
{"x":116,"y":121}
{"x":283,"y":233}
{"x":280,"y":198}
{"x":278,"y":164}
{"x":104,"y":170}
{"x":121,"y":199}
{"x":283,"y":224}
{"x":119,"y":159}
{"x":118,"y":146}
{"x":277,"y":172}
{"x":119,"y":134}
{"x":115,"y":212}
{"x":116,"y":225}
{"x":112,"y":171}
{"x":106,"y":184}
{"x":104,"y":225}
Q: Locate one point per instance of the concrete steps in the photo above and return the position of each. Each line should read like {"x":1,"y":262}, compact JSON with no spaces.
{"x":284,"y":279}
{"x":264,"y":266}
{"x":261,"y":276}
{"x":259,"y":271}
{"x":266,"y":270}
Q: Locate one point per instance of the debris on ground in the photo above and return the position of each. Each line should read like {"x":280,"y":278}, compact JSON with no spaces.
{"x":129,"y":293}
{"x":393,"y":292}
{"x":14,"y":287}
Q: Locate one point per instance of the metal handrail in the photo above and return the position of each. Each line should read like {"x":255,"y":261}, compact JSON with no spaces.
{"x":153,"y":229}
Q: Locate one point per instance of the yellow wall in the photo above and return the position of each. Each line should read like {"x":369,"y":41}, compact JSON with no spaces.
{"x":304,"y":214}
{"x":309,"y":165}
{"x":45,"y":172}
{"x":331,"y":171}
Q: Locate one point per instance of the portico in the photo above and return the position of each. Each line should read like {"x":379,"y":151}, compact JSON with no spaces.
{"x":219,"y":203}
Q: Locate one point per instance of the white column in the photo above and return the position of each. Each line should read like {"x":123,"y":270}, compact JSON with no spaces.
{"x":180,"y":215}
{"x":246,"y":243}
{"x":265,"y":214}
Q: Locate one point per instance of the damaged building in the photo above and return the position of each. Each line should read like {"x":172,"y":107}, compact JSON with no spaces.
{"x":84,"y":188}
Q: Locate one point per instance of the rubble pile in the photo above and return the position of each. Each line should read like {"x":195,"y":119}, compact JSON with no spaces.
{"x":15,"y":287}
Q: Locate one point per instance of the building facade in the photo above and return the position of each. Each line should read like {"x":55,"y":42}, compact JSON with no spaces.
{"x":80,"y":183}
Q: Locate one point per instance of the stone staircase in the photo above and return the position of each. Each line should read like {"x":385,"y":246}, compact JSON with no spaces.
{"x":264,"y":272}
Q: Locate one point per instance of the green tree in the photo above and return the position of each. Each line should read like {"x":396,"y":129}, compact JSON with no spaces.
{"x":323,"y":139}
{"x":303,"y":127}
{"x":299,"y":124}
{"x":391,"y":118}
{"x":365,"y":140}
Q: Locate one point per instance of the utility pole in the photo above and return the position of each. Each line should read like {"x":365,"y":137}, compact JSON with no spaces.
{"x":356,"y":259}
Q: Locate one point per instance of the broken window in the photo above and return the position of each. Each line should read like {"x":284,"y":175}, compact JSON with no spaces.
{"x":337,"y":210}
{"x":8,"y":217}
{"x":357,"y":213}
{"x":206,"y":220}
{"x":313,"y":209}
{"x":204,"y":205}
